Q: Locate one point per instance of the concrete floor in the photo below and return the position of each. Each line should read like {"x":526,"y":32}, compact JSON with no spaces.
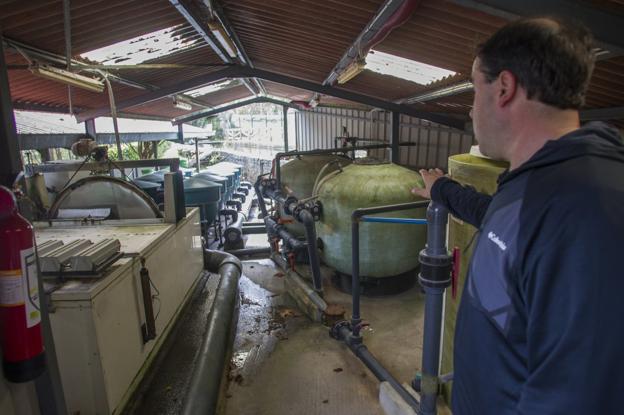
{"x":283,"y":363}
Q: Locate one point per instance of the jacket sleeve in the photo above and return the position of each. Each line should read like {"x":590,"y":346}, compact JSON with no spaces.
{"x":463,"y":202}
{"x":571,"y":285}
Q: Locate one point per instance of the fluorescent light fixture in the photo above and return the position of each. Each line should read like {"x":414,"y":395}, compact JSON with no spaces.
{"x":219,"y":32}
{"x":67,"y":77}
{"x":351,"y":71}
{"x":179,"y":104}
{"x":144,"y":48}
{"x":417,"y":72}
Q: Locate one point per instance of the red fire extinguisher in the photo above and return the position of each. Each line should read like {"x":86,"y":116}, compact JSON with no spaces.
{"x":20,"y":314}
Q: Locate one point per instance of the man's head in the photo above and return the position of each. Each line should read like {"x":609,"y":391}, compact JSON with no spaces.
{"x":542,"y":63}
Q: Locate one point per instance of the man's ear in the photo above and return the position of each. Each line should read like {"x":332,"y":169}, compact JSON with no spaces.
{"x":507,"y":88}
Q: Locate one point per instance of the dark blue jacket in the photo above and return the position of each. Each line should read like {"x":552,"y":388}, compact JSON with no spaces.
{"x":540,"y":328}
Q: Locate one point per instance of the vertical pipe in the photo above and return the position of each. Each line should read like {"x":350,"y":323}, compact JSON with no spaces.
{"x":197,"y":154}
{"x":394,"y":139}
{"x":10,"y":158}
{"x":308,"y":222}
{"x":285,"y":111}
{"x":355,"y":274}
{"x":436,"y":229}
{"x":431,"y":350}
{"x":437,"y":217}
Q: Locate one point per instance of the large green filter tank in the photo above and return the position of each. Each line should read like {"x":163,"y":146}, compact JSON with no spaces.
{"x":299,"y":175}
{"x":386,"y":250}
{"x":481,"y":173}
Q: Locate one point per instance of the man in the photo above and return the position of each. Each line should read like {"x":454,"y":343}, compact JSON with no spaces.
{"x":540,"y":329}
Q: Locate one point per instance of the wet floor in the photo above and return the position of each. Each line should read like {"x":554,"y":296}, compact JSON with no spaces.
{"x":282,"y":363}
{"x":164,"y":388}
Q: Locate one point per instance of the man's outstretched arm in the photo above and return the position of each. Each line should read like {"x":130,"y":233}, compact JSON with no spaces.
{"x":463,"y":202}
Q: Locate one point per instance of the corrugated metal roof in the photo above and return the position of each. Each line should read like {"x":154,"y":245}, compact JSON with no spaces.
{"x":303,"y":39}
{"x":95,"y":23}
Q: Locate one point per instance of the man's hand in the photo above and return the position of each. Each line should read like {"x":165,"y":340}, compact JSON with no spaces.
{"x":429,"y":177}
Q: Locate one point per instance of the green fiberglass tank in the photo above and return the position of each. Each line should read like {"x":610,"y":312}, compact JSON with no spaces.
{"x":299,"y":175}
{"x":480,"y":173}
{"x":386,"y":250}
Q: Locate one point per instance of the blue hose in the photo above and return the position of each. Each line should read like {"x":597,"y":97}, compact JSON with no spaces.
{"x":406,"y":221}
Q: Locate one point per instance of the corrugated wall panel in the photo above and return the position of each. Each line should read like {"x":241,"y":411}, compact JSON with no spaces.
{"x":433,"y":143}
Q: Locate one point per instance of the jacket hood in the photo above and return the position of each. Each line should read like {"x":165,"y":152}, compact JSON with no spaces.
{"x":595,"y":138}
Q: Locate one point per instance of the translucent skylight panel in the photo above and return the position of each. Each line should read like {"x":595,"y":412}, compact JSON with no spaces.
{"x":143,"y":48}
{"x":208,"y":89}
{"x":418,"y":72}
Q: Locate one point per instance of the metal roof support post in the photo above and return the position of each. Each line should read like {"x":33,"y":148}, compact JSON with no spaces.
{"x":67,"y":28}
{"x":394,"y":139}
{"x":90,"y":128}
{"x":113,"y":111}
{"x":180,"y":133}
{"x":10,"y":158}
{"x":285,"y":109}
{"x":197,"y":154}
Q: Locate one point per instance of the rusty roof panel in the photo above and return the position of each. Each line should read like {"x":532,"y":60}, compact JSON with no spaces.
{"x":289,"y":92}
{"x":95,"y":23}
{"x":305,"y":38}
{"x":382,"y":86}
{"x":223,"y":96}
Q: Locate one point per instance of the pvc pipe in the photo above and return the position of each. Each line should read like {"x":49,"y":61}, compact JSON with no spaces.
{"x":356,"y":217}
{"x":437,"y":217}
{"x":276,"y":229}
{"x":306,"y":218}
{"x":205,"y":383}
{"x":260,"y":197}
{"x":406,"y":221}
{"x":250,"y":251}
{"x":362,"y":352}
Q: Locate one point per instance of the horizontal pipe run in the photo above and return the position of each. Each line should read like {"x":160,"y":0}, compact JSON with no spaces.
{"x":250,"y":251}
{"x":358,"y":213}
{"x":356,"y":217}
{"x":205,"y":383}
{"x":405,"y":221}
{"x":375,"y":367}
{"x":275,"y":229}
{"x":249,"y":230}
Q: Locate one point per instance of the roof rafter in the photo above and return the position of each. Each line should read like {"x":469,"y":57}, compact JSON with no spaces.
{"x":212,"y":111}
{"x":247,"y":72}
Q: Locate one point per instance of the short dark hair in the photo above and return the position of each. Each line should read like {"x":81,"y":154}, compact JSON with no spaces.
{"x":552,"y":59}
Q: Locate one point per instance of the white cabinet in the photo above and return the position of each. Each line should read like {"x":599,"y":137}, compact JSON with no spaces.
{"x":96,"y":324}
